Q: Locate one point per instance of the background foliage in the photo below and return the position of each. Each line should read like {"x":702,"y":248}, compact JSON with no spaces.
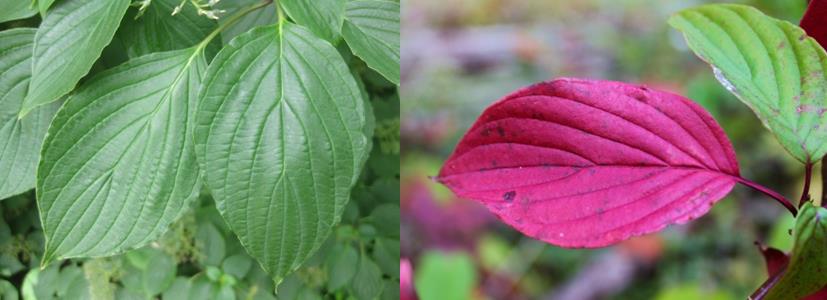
{"x":459,"y":58}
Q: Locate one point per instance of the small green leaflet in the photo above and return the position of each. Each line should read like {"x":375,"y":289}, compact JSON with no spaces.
{"x":371,"y":29}
{"x":807,"y":270}
{"x":15,"y":9}
{"x":118,"y":165}
{"x":323,"y":17}
{"x":157,"y":30}
{"x":770,"y":65}
{"x":68,"y":42}
{"x":280,"y":138}
{"x":20,"y":139}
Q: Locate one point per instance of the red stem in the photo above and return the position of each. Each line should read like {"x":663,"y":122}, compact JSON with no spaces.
{"x":778,"y":197}
{"x":808,"y":174}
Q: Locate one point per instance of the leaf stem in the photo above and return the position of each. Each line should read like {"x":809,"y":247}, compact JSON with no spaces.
{"x":773,"y":194}
{"x":808,"y":174}
{"x":231,"y":21}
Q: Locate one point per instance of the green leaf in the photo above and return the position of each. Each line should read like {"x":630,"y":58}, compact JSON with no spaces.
{"x":211,"y":244}
{"x":770,"y":65}
{"x":68,"y":42}
{"x":237,"y":265}
{"x":118,"y":165}
{"x":260,"y":17}
{"x":367,"y":282}
{"x":15,"y":10}
{"x":159,"y":274}
{"x":371,"y":29}
{"x":323,"y":17}
{"x":341,"y":266}
{"x":807,"y":270}
{"x":20,"y":139}
{"x":279,"y":135}
{"x":157,"y":30}
{"x":386,"y":253}
{"x":447,"y":276}
{"x":44,"y":5}
{"x":385,"y":218}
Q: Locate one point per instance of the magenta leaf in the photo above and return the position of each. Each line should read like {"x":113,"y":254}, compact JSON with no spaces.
{"x":588,"y":163}
{"x":814,"y":21}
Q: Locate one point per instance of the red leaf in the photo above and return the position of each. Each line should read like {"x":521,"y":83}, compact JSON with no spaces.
{"x":586,"y":163}
{"x":814,"y":21}
{"x":776,"y":259}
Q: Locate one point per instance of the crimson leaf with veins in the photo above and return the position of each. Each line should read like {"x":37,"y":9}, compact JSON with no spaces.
{"x":588,"y":163}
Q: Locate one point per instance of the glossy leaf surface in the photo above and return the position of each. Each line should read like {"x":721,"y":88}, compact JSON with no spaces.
{"x":280,"y":138}
{"x":587,"y":163}
{"x":69,"y":40}
{"x":20,"y":139}
{"x":770,"y":65}
{"x":323,"y":17}
{"x":371,"y":29}
{"x":118,"y":164}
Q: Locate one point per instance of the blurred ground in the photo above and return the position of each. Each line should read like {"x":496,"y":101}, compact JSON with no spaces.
{"x":461,"y":55}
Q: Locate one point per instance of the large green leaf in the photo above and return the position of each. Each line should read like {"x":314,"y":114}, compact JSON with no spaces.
{"x":118,"y":165}
{"x":20,"y":139}
{"x":15,"y":9}
{"x":371,"y":29}
{"x":323,"y":17}
{"x":771,"y":65}
{"x":157,"y":30}
{"x":807,"y":270}
{"x":279,"y":136}
{"x":68,"y":41}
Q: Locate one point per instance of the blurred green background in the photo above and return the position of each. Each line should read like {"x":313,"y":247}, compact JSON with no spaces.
{"x":459,"y":56}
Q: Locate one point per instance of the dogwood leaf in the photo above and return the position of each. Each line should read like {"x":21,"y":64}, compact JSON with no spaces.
{"x":588,"y":163}
{"x":68,"y":42}
{"x":20,"y":139}
{"x":770,"y":65}
{"x":371,"y":29}
{"x":118,"y":164}
{"x":280,"y":138}
{"x":15,"y":9}
{"x":323,"y":17}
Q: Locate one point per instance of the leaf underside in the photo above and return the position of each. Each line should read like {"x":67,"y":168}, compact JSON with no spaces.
{"x":20,"y":139}
{"x":118,"y":164}
{"x":581,"y":163}
{"x":770,"y":65}
{"x":68,"y":42}
{"x":279,"y":136}
{"x":371,"y":29}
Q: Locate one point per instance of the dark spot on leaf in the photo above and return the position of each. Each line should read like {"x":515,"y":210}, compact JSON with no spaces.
{"x":494,"y":163}
{"x":781,"y":45}
{"x":509,"y":196}
{"x":802,"y":37}
{"x":500,"y":131}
